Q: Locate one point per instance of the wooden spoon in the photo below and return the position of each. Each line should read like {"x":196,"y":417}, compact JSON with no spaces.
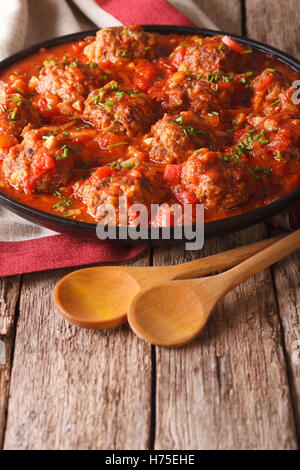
{"x":173,"y":313}
{"x":99,"y":297}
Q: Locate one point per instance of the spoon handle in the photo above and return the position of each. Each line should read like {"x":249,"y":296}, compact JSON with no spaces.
{"x":219,"y":261}
{"x":260,"y":261}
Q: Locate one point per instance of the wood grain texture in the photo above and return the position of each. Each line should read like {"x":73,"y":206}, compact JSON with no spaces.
{"x":73,"y":388}
{"x":9,"y":294}
{"x":229,"y":389}
{"x":275,"y":22}
{"x":226,"y":15}
{"x":284,"y":19}
{"x":287,"y":282}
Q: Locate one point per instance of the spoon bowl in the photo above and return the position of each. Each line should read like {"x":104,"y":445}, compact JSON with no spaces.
{"x":164,"y":314}
{"x":81,"y":297}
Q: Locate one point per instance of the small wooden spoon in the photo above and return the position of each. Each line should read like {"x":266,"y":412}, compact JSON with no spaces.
{"x":173,"y":313}
{"x":99,"y":297}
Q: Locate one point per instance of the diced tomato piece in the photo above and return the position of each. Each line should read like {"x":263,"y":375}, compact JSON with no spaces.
{"x":164,"y":218}
{"x":17,"y":85}
{"x":112,"y":143}
{"x":186,"y":197}
{"x":265,"y":81}
{"x":146,"y":70}
{"x":42,"y":164}
{"x":172,"y":174}
{"x":101,"y":173}
{"x":146,"y":75}
{"x":178,"y":56}
{"x":46,"y":110}
{"x":30,"y":183}
{"x":232,"y":44}
{"x":7,"y":141}
{"x":281,"y":141}
{"x":141,"y":84}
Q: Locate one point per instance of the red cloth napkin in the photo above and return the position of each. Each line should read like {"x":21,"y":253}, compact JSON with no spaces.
{"x":144,"y":12}
{"x":60,"y":251}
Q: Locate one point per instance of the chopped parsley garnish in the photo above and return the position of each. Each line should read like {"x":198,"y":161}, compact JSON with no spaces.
{"x":122,"y":54}
{"x":65,"y":148}
{"x":128,"y":165}
{"x":276,"y":103}
{"x":109,"y":103}
{"x":65,"y":202}
{"x":189,"y":131}
{"x":120,"y":94}
{"x":115,"y":165}
{"x":115,"y":145}
{"x":14,"y":113}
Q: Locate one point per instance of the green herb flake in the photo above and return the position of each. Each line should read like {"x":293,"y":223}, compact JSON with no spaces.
{"x":117,"y":144}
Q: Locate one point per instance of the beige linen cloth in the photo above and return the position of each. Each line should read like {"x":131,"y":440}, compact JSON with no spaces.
{"x":26,"y":22}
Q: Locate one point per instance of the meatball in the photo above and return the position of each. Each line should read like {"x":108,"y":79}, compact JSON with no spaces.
{"x":15,"y":114}
{"x":268,"y":88}
{"x":218,"y":184}
{"x":211,"y":54}
{"x":125,"y":42}
{"x":42,"y":162}
{"x":138,"y":185}
{"x":283,"y":135}
{"x":120,"y":111}
{"x":176,"y":137}
{"x":183,"y":92}
{"x":67,"y":85}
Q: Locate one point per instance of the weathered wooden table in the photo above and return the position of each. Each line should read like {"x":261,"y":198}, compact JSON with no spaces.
{"x":237,"y":386}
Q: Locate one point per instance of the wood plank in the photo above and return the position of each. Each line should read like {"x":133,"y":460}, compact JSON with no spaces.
{"x":226,"y":15}
{"x":276,"y":23}
{"x":9,"y":294}
{"x":228,"y":389}
{"x":283,"y":34}
{"x":73,"y":388}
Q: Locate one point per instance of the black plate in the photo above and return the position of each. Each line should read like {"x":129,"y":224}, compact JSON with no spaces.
{"x":217,"y":227}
